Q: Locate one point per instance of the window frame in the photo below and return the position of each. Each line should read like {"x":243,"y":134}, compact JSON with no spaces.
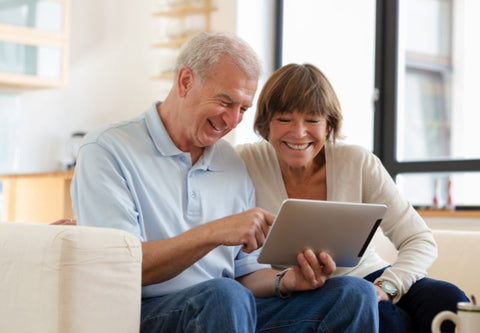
{"x":31,"y":36}
{"x":386,"y":101}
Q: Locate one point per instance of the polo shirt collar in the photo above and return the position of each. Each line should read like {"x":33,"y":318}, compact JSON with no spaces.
{"x":211,"y":159}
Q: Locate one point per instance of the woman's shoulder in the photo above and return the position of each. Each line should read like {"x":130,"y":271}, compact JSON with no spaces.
{"x":348,"y":150}
{"x":255,"y":151}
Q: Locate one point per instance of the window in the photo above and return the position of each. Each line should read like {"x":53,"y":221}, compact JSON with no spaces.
{"x":426,"y":113}
{"x":339,"y":38}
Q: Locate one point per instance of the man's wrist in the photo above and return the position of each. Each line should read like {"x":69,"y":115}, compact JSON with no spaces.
{"x":278,"y":278}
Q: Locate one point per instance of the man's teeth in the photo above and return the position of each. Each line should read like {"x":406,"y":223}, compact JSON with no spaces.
{"x":213,"y":125}
{"x":299,"y":146}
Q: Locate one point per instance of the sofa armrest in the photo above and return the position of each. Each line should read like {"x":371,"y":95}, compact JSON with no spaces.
{"x":69,"y":279}
{"x":457,"y":261}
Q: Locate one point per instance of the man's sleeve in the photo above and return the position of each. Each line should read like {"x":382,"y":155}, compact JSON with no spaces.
{"x":100,"y":192}
{"x":247,"y":263}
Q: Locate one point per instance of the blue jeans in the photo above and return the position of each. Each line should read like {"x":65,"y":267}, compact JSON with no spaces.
{"x":343,"y":304}
{"x":417,"y":308}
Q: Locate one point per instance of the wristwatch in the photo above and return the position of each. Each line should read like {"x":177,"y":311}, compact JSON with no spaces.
{"x":388,"y":287}
{"x":278,"y":277}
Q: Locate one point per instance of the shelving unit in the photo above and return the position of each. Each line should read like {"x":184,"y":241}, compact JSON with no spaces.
{"x":38,"y":198}
{"x":17,"y":39}
{"x":182,"y":12}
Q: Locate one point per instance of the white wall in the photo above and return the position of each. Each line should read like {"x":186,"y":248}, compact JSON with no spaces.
{"x":111,"y":64}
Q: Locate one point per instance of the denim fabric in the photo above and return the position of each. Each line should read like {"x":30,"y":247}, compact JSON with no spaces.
{"x":343,"y":304}
{"x":417,"y":308}
{"x":217,"y":305}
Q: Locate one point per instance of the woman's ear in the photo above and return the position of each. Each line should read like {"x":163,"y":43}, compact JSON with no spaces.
{"x":185,"y":81}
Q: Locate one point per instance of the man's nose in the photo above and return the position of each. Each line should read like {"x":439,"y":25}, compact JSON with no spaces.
{"x":233,"y":117}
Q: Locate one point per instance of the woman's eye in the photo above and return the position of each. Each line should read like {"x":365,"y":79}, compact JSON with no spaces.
{"x":313,"y":121}
{"x":283,"y":120}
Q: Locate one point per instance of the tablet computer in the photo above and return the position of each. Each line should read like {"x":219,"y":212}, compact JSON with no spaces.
{"x":343,"y":229}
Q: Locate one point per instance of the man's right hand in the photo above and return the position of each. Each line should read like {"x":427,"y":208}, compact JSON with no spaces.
{"x":249,"y":229}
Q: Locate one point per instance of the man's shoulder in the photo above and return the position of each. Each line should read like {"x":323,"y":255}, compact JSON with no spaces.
{"x":228,"y":152}
{"x":118,"y":132}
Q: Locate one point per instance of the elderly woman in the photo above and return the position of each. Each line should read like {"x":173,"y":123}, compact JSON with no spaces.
{"x":299,"y":116}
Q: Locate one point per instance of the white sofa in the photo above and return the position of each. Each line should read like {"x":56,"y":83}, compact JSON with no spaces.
{"x":458,"y":258}
{"x":68,"y":279}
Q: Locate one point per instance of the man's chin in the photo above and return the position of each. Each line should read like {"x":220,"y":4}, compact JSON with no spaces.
{"x":211,"y":140}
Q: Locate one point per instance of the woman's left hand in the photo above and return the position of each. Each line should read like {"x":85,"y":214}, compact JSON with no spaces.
{"x":381,"y":295}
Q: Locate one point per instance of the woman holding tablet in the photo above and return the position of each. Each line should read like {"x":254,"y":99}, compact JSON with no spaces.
{"x":299,"y":116}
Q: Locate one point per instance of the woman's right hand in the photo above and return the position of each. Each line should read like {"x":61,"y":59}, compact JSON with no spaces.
{"x":311,"y":272}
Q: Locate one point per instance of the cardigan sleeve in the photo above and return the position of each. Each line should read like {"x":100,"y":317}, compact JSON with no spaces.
{"x":404,"y":227}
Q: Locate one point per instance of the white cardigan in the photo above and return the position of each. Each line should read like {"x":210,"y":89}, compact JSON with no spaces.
{"x":354,"y":174}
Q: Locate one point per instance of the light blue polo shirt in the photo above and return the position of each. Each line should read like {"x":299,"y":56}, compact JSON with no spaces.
{"x":131,"y":176}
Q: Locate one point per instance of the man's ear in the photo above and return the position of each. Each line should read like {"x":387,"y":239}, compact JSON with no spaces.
{"x":185,"y":81}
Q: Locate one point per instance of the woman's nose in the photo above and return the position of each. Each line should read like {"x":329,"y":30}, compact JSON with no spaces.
{"x":297,"y":128}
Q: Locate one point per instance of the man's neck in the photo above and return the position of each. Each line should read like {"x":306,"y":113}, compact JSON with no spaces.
{"x":175,"y":131}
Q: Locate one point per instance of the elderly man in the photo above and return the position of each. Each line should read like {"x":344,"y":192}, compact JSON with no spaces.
{"x":168,"y":178}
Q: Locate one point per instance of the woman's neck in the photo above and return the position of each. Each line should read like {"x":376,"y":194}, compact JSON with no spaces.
{"x":306,"y":182}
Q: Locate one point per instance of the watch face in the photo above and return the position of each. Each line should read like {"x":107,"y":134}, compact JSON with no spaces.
{"x":388,"y":287}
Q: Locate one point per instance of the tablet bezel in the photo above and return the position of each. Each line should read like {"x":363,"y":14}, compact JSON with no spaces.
{"x":343,"y":229}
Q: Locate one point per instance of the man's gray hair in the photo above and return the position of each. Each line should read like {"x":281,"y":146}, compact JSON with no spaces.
{"x":204,"y":51}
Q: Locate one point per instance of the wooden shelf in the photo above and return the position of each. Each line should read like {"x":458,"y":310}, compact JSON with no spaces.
{"x":173,"y":43}
{"x":23,"y":81}
{"x":448,"y":213}
{"x":182,"y":11}
{"x":163,"y":76}
{"x":185,"y":10}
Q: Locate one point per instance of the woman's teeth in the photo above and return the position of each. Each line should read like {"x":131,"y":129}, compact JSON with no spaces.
{"x":297,"y":146}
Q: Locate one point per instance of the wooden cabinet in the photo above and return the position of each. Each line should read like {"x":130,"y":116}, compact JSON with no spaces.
{"x":38,"y":198}
{"x":176,"y":24}
{"x":34,"y":43}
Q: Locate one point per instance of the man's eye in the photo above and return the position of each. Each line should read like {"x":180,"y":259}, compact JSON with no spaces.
{"x":283,"y":120}
{"x":313,"y":121}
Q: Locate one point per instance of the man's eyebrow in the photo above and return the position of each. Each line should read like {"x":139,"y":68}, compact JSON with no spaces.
{"x":226,"y":96}
{"x":232,"y":100}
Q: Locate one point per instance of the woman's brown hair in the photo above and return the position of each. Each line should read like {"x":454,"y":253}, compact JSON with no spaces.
{"x":303,"y":88}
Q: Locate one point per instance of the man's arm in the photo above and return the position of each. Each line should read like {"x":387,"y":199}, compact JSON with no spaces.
{"x":165,"y":259}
